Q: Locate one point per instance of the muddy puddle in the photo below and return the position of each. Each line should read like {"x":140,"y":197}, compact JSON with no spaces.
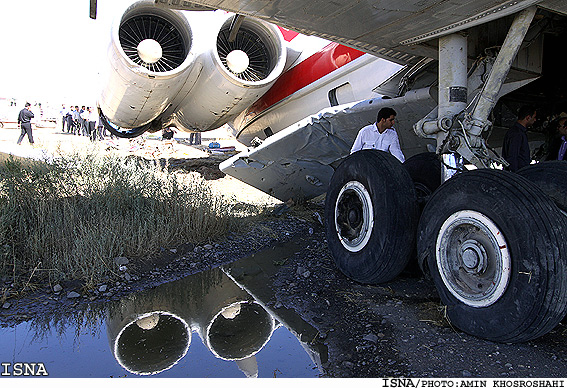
{"x":218,"y":323}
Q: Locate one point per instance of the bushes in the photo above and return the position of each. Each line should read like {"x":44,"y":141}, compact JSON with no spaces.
{"x":69,"y":219}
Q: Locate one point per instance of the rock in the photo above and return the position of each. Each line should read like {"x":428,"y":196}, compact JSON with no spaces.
{"x":57,"y":288}
{"x":466,"y":373}
{"x":121,"y":261}
{"x":306,"y":274}
{"x":127,"y":277}
{"x":6,"y":305}
{"x":123,"y":268}
{"x":73,"y":295}
{"x":208,"y":247}
{"x":173,"y":250}
{"x":280,"y":209}
{"x":371,"y":337}
{"x":103,"y":288}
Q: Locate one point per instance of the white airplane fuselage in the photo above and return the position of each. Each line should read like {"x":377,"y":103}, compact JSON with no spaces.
{"x":325,"y":74}
{"x":194,"y":89}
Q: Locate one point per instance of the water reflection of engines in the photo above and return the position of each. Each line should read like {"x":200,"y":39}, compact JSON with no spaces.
{"x":150,"y":332}
{"x":152,"y":342}
{"x":233,"y":326}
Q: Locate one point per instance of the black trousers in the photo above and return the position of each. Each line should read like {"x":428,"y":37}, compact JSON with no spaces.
{"x":91,"y":128}
{"x":69,"y":123}
{"x":26,"y":130}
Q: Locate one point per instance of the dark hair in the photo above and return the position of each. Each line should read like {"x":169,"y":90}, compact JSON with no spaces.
{"x":385,"y":113}
{"x":526,"y":110}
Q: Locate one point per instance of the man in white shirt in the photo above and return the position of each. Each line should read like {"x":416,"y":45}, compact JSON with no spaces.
{"x":380,"y":136}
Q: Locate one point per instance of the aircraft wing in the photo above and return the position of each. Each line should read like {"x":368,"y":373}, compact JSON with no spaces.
{"x":395,"y":30}
{"x":297,"y":162}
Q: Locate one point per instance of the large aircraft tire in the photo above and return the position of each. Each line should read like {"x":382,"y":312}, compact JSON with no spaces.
{"x":496,"y":250}
{"x":371,"y":216}
{"x":551,"y":178}
{"x":425,"y":171}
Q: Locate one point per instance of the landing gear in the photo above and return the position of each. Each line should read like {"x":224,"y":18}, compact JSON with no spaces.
{"x":425,"y":171}
{"x":371,"y":216}
{"x":496,"y":250}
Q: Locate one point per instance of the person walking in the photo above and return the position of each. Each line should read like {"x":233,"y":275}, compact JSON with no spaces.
{"x":24,"y":122}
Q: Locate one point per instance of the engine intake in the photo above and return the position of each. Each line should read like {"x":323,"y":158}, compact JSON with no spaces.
{"x":247,"y":58}
{"x":251,"y":44}
{"x":152,"y":32}
{"x":151,"y":57}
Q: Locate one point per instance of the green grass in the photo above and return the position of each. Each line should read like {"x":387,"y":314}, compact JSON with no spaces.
{"x":69,"y":219}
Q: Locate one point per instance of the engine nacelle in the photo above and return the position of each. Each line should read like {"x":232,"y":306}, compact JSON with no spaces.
{"x":236,"y":71}
{"x":150,"y":60}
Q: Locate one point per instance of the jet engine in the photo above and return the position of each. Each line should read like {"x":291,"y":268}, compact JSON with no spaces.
{"x":150,"y":59}
{"x":193,"y":70}
{"x":242,"y":64}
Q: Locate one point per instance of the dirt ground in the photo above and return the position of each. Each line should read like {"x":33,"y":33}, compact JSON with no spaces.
{"x":397,"y":329}
{"x":51,"y":141}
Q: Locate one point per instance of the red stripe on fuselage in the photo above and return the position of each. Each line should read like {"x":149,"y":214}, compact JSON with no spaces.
{"x":320,"y":64}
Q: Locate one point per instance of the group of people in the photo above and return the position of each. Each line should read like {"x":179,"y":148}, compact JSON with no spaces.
{"x":82,"y":121}
{"x":382,"y":136}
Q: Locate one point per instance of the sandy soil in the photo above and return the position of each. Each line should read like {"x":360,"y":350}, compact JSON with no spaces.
{"x":51,"y":141}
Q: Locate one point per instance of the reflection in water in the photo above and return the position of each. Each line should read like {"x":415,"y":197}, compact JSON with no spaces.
{"x":229,"y":336}
{"x":149,"y":332}
{"x":152,"y":343}
{"x":154,"y":332}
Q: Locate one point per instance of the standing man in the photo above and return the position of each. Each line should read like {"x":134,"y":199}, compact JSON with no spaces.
{"x":380,"y":136}
{"x":69,"y":117}
{"x":558,"y":147}
{"x":77,"y":124}
{"x":516,"y":149}
{"x":24,"y":122}
{"x":63,"y":112}
{"x":92,"y":118}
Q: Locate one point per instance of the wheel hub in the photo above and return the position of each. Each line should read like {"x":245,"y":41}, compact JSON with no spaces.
{"x":472,"y":258}
{"x":354,"y":216}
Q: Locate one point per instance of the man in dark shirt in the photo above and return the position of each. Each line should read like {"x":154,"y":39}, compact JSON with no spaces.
{"x":24,"y":121}
{"x":516,"y":150}
{"x":558,"y":146}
